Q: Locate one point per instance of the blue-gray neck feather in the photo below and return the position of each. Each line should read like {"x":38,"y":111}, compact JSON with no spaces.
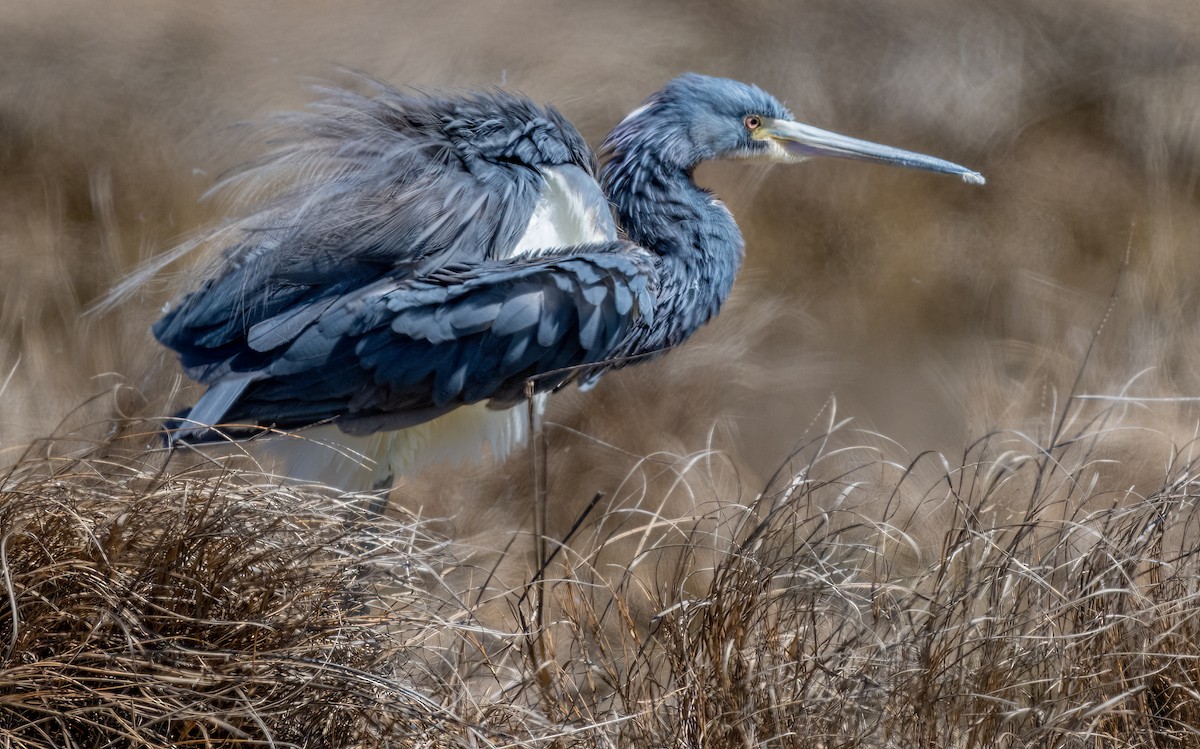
{"x":648,"y":178}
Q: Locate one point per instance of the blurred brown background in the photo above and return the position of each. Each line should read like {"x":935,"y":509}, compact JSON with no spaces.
{"x":930,"y":310}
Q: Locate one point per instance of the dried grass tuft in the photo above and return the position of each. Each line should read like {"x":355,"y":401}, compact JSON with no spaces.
{"x":206,"y":608}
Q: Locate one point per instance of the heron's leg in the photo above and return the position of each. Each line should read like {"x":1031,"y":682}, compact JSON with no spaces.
{"x":381,"y":490}
{"x":359,"y":595}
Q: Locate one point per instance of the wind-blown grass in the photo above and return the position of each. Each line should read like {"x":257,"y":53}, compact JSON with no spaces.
{"x":1005,"y":599}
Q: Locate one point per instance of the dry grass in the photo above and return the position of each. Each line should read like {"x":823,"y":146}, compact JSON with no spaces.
{"x":199,"y":608}
{"x":208,"y":606}
{"x":1048,"y":614}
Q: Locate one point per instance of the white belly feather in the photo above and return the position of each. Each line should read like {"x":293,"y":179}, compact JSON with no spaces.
{"x":571,"y":210}
{"x":326,"y":455}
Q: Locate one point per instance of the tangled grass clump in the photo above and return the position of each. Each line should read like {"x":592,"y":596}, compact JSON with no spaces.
{"x":205,"y":608}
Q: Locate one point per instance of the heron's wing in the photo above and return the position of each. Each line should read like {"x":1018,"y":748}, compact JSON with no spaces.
{"x":400,"y":352}
{"x":393,"y":184}
{"x":209,"y":325}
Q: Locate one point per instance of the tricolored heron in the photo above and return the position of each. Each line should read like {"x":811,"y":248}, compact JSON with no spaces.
{"x":437,"y":253}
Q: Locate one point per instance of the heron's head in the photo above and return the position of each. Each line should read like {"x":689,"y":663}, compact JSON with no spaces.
{"x":697,"y":117}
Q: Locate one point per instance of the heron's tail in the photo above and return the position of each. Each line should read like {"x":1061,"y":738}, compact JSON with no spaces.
{"x":191,"y":426}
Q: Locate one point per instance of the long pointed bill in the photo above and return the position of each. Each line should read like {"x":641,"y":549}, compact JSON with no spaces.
{"x":800,"y":141}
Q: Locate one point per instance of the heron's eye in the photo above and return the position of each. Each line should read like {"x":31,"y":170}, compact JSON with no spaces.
{"x":753,"y":122}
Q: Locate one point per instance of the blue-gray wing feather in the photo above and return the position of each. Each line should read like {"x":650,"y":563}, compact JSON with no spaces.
{"x":413,"y":348}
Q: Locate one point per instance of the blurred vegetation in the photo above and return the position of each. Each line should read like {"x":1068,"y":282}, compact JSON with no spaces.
{"x":896,"y":285}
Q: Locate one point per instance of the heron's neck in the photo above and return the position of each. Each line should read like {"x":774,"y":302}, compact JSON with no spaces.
{"x":696,"y":239}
